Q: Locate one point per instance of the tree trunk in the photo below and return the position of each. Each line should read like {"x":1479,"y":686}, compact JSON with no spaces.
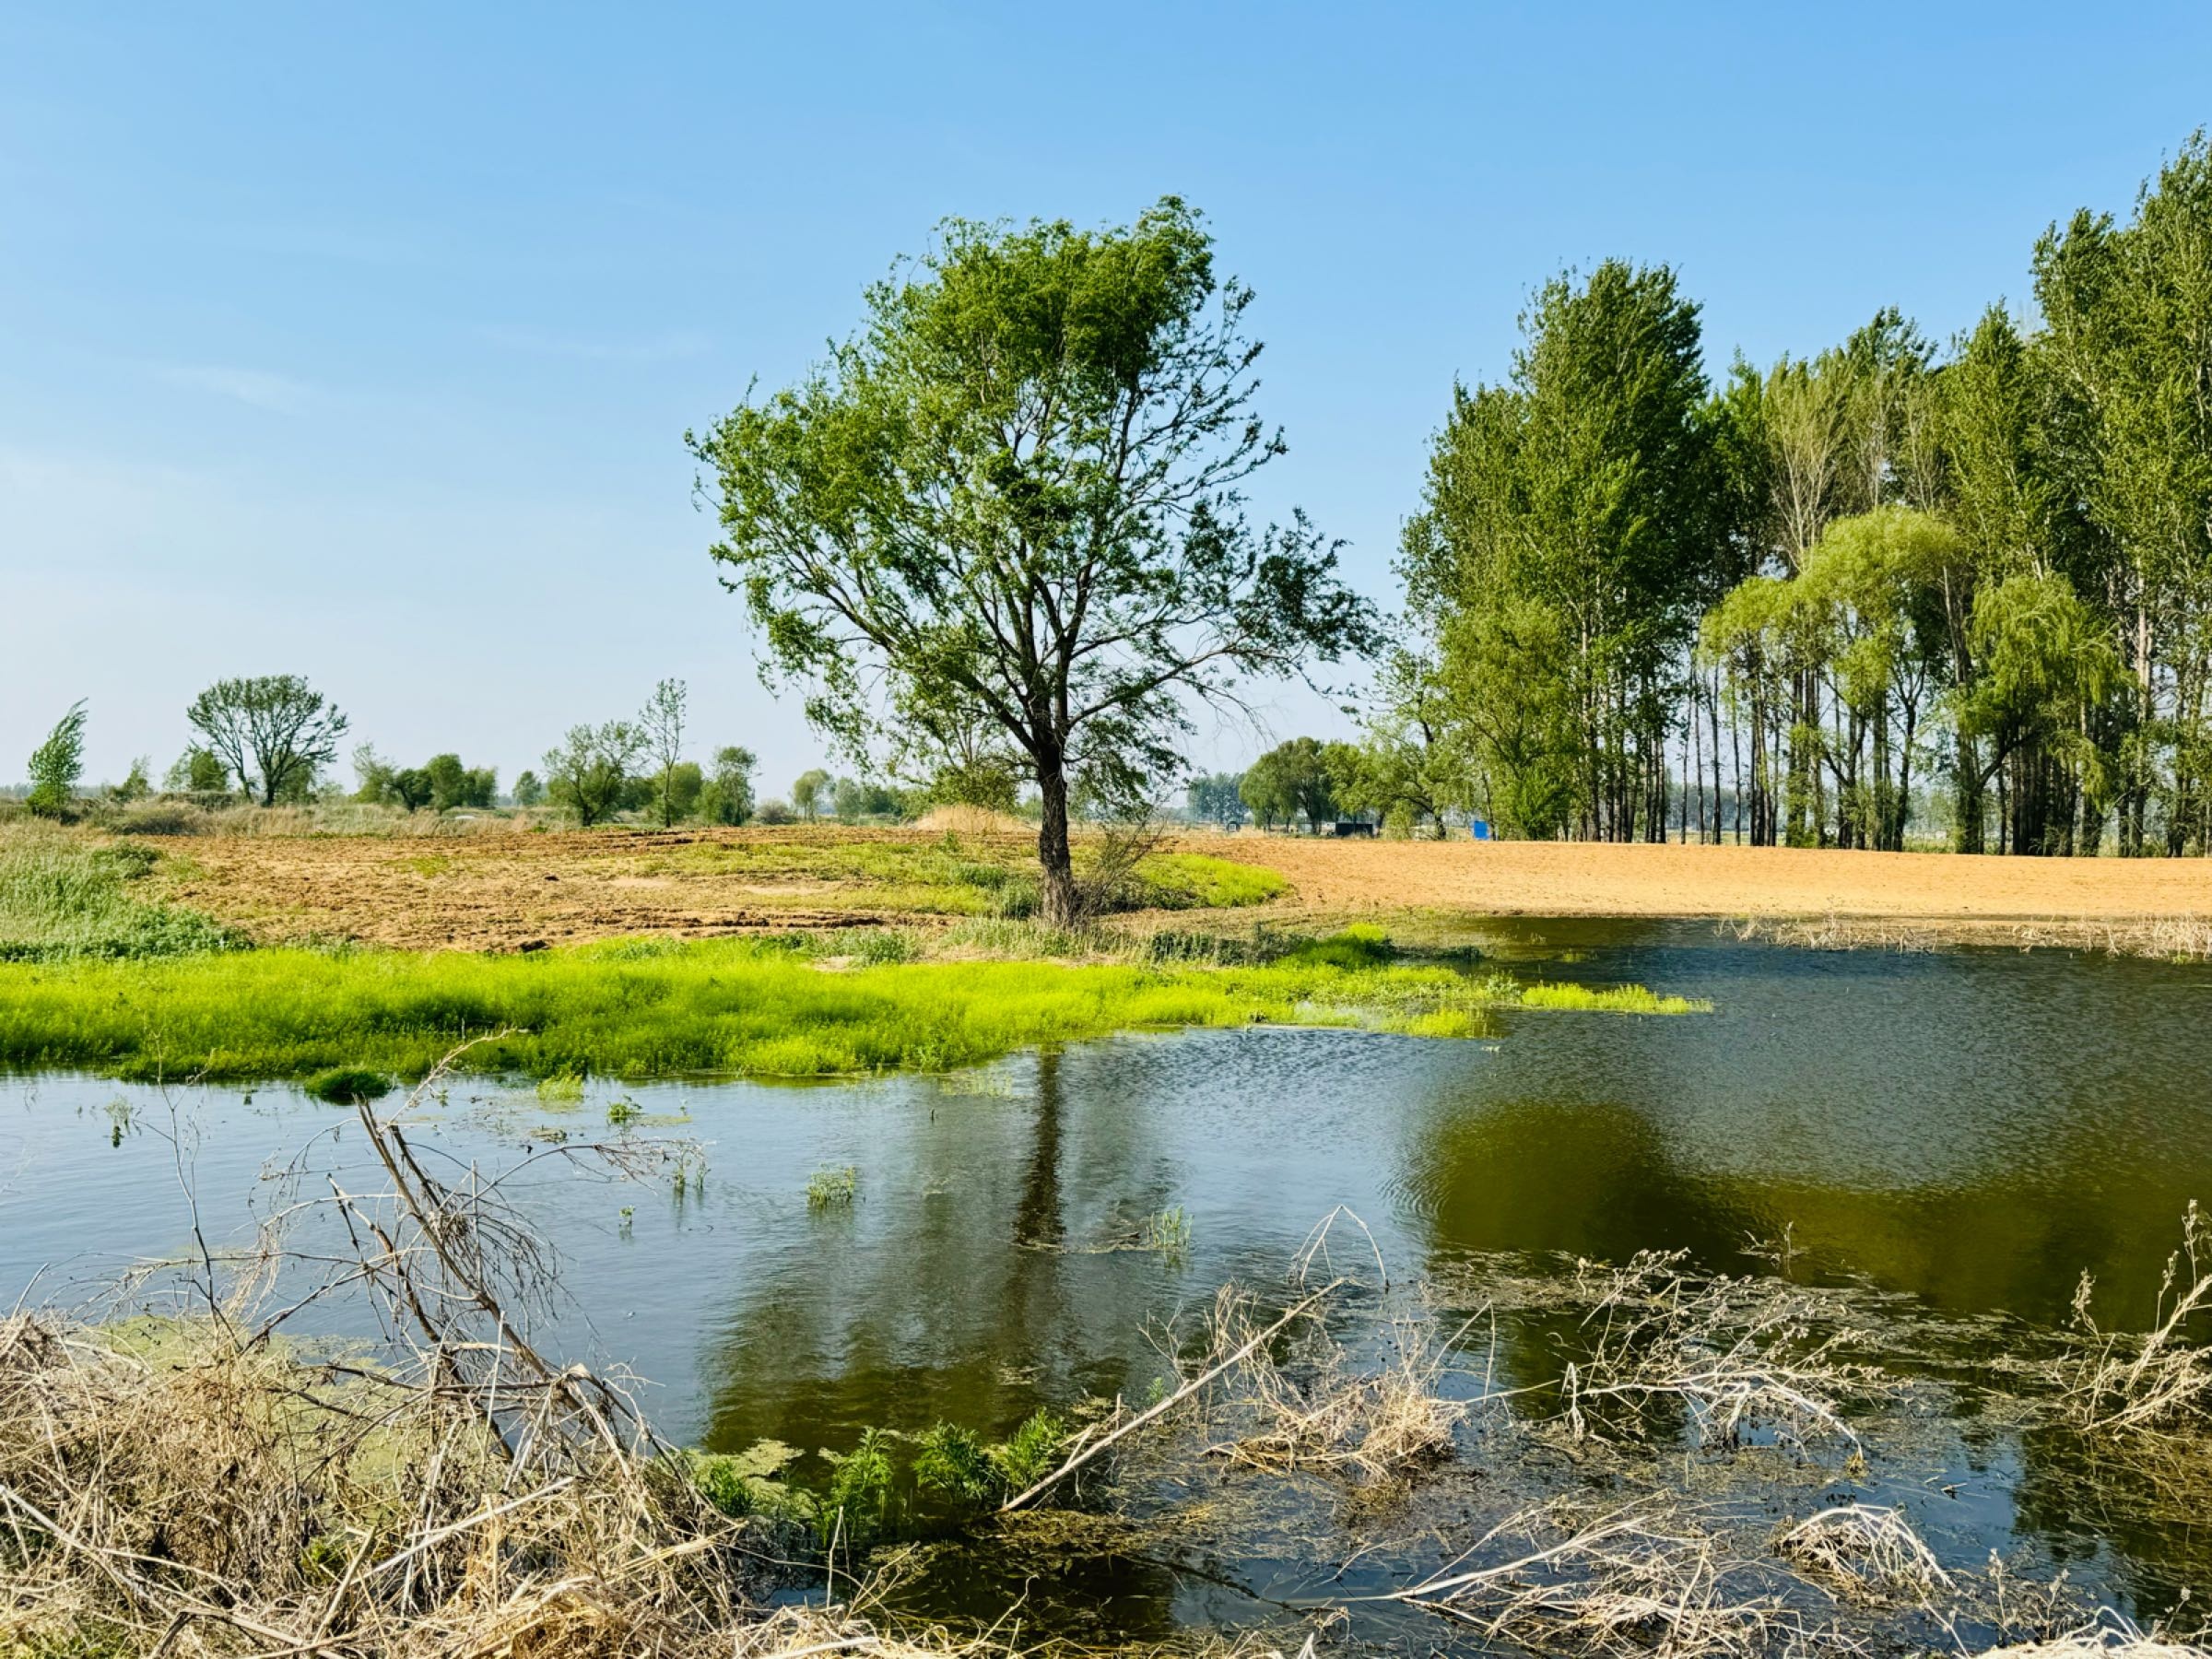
{"x":1058,"y":905}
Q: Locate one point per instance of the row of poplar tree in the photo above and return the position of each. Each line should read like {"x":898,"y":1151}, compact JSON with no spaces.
{"x":1787,"y":607}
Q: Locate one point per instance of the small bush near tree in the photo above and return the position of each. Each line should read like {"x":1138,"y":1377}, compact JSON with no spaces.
{"x":198,"y":770}
{"x":136,"y":785}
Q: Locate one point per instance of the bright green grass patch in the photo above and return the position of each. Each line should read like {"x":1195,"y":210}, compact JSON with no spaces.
{"x":63,"y":897}
{"x":1610,"y":999}
{"x":654,"y":1007}
{"x":1193,"y":880}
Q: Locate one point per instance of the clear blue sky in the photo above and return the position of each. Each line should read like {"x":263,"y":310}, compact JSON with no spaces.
{"x":360,"y":340}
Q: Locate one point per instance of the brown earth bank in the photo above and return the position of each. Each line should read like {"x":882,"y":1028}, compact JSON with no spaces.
{"x":510,"y":891}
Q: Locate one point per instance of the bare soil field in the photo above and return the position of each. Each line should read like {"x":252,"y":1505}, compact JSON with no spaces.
{"x":1556,"y":879}
{"x":490,"y":891}
{"x":510,"y":891}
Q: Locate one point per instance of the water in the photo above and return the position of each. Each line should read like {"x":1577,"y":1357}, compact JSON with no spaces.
{"x":1973,"y":1129}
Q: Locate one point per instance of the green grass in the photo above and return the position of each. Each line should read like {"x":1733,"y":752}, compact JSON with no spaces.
{"x":1610,"y":999}
{"x":65,"y":898}
{"x":647,"y":1007}
{"x":1193,"y":881}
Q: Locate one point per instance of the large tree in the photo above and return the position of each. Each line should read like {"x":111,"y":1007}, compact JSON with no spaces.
{"x":1018,"y":490}
{"x":272,"y":731}
{"x":1562,"y":548}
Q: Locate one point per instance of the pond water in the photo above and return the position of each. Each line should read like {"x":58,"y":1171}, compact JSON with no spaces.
{"x":1971,"y":1128}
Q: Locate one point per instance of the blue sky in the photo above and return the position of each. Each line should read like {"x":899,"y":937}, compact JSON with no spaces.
{"x":361,"y":341}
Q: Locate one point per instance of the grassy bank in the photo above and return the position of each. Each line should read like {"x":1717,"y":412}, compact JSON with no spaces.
{"x":64,"y":897}
{"x":759,"y":1008}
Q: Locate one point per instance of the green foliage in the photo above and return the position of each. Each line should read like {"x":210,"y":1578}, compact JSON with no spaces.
{"x":661,"y":729}
{"x":858,"y":1500}
{"x":198,"y":770}
{"x":810,"y":794}
{"x":1034,"y":1451}
{"x":57,"y":764}
{"x":1190,"y":880}
{"x":727,"y":797}
{"x":1290,"y":780}
{"x":135,"y":787}
{"x":276,"y":729}
{"x":344,"y":1085}
{"x":528,"y":790}
{"x":452,"y":785}
{"x":63,"y":897}
{"x":561,"y":1088}
{"x":412,"y":787}
{"x":747,"y":1483}
{"x":1609,"y":999}
{"x":917,"y":572}
{"x":1564,"y":544}
{"x":589,"y":774}
{"x":1362,"y":945}
{"x":951,"y":1461}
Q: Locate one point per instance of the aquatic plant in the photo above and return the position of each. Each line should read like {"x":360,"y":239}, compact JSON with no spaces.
{"x":827,"y":1189}
{"x":952,"y":1461}
{"x":621,"y":1112}
{"x":1168,"y":1232}
{"x":1609,"y":999}
{"x":857,"y":1501}
{"x":562,"y":1089}
{"x":1032,"y":1451}
{"x":347,"y":1085}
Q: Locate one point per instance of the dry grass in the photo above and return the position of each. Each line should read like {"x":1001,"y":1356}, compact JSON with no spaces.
{"x":1865,"y":1549}
{"x":1634,"y":1581}
{"x":1743,"y":1356}
{"x":972,"y":820}
{"x":2158,"y":1381}
{"x":1377,"y":1416}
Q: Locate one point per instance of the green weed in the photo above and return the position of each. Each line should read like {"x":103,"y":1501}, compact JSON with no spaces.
{"x":1610,"y":999}
{"x":858,"y":1500}
{"x":828,"y":1188}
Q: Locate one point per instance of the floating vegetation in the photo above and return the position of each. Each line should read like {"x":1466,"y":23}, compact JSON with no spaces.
{"x":623,"y":1112}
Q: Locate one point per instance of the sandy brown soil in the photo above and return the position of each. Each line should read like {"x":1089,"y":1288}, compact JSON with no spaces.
{"x":508,"y":891}
{"x":492,"y":891}
{"x":1579,"y":879}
